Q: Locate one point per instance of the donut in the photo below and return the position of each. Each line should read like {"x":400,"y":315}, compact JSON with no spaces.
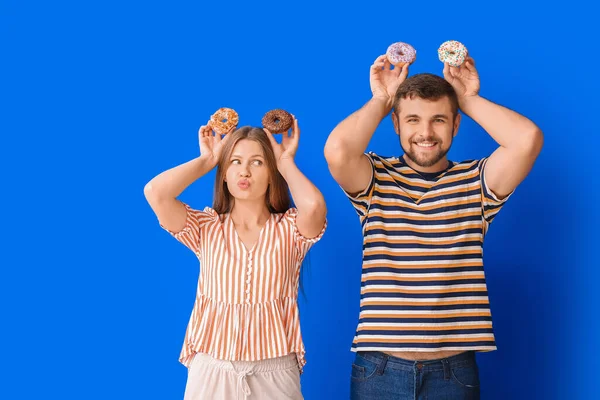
{"x":452,"y":52}
{"x":223,"y":120}
{"x":277,"y":121}
{"x":400,"y":53}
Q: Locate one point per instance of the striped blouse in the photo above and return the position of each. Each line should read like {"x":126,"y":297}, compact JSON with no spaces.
{"x":246,"y":301}
{"x":423,"y":286}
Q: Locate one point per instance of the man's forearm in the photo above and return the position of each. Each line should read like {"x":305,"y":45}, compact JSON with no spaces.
{"x":508,"y":128}
{"x":352,"y":136}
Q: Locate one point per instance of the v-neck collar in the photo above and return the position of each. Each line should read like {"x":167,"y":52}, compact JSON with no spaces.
{"x":239,"y":239}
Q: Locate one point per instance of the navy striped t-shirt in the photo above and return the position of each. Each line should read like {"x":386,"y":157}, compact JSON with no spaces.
{"x":423,"y":283}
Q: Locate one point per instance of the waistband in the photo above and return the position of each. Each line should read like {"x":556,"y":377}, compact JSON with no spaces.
{"x":387,"y":361}
{"x":267,"y":365}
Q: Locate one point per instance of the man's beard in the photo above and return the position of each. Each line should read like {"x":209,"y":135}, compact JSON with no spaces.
{"x":425,"y":160}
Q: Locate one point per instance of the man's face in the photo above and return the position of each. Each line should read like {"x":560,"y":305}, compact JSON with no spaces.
{"x":426,"y":129}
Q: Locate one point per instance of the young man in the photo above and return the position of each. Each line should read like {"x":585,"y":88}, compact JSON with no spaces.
{"x":424,"y":309}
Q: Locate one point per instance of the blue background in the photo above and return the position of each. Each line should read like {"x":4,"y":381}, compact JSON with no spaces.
{"x":100,"y":96}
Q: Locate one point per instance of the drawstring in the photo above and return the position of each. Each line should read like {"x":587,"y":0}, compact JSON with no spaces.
{"x":242,"y":381}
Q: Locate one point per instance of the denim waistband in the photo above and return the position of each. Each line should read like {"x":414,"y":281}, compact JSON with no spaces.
{"x":384,"y":361}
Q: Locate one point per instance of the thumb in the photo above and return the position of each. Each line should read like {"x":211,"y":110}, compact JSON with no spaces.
{"x":271,"y":138}
{"x":446,"y":72}
{"x":403,"y":72}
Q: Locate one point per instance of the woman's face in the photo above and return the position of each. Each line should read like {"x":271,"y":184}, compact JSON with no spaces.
{"x":247,"y":173}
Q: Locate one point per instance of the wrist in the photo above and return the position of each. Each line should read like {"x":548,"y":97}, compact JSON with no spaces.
{"x":465,"y":103}
{"x":206,"y":160}
{"x":384,"y":103}
{"x":284,"y":165}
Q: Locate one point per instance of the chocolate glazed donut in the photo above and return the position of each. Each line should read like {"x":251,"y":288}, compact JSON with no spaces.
{"x":277,"y":121}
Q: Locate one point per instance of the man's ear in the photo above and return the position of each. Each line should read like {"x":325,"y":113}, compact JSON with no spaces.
{"x":396,"y":122}
{"x":457,"y":120}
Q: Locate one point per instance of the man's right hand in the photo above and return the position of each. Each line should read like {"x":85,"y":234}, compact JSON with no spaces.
{"x":385,"y":81}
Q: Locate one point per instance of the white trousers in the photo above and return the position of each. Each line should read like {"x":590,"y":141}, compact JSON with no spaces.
{"x":272,"y":379}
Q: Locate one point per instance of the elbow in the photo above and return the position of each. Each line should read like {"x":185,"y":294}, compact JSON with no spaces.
{"x":529,"y":143}
{"x":334,"y":152}
{"x":148,"y":190}
{"x":315,"y":207}
{"x":151,"y":194}
{"x":535,"y":142}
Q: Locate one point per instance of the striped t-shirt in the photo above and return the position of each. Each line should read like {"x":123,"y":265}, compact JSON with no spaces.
{"x":246,"y":300}
{"x":423,"y":285}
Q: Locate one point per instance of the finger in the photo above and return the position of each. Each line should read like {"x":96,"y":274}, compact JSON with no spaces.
{"x":202,"y":131}
{"x":455,"y":71}
{"x":379,"y":59}
{"x":296,"y":131}
{"x":208,"y":129}
{"x":271,"y":138}
{"x":224,"y":139}
{"x":446,"y":71}
{"x":378,"y":65}
{"x":403,"y":72}
{"x":230,"y":131}
{"x":470,"y":66}
{"x":387,"y":64}
{"x":295,"y":128}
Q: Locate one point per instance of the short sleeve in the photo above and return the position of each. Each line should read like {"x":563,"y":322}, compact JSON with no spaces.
{"x":195,"y":220}
{"x":362,"y":201}
{"x":302,"y":243}
{"x":490,"y":203}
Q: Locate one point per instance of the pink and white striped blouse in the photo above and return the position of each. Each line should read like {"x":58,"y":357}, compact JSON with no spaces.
{"x":246,"y":302}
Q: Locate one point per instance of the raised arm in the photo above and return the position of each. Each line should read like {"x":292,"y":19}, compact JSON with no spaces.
{"x":312,"y":210}
{"x":162,"y":191}
{"x":519,"y":138}
{"x":347,"y":143}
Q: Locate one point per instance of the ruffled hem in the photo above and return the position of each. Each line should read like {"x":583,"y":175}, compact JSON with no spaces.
{"x":244,"y":332}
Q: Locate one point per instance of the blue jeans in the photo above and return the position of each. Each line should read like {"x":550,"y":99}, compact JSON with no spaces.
{"x":379,"y":376}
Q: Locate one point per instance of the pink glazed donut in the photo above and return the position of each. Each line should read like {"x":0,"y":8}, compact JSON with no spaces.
{"x":400,"y":53}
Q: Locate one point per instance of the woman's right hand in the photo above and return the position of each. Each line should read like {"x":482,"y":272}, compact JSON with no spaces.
{"x":211,"y":143}
{"x":385,"y":81}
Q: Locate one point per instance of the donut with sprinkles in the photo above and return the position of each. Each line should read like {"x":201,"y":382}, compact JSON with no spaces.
{"x":277,"y":121}
{"x":399,"y":54}
{"x":223,"y":120}
{"x":452,"y":52}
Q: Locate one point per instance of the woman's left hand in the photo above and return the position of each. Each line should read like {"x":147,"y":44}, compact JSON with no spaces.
{"x":286,"y":150}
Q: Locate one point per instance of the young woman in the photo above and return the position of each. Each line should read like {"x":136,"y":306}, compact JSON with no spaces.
{"x":243,"y":340}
